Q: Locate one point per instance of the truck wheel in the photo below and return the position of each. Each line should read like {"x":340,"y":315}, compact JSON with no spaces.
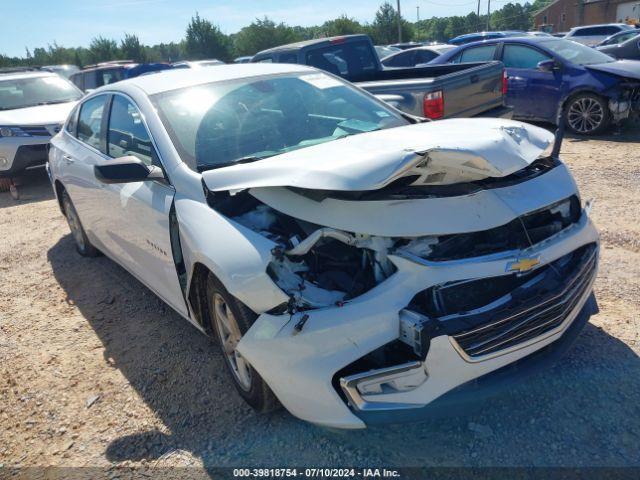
{"x":5,"y":183}
{"x":230,"y":319}
{"x":587,"y":114}
{"x":83,"y":245}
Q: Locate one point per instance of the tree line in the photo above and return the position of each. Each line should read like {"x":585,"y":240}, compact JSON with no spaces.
{"x":203,"y":39}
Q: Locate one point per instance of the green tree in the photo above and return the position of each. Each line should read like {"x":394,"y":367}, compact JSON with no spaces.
{"x":384,"y":29}
{"x":342,"y":25}
{"x":103,"y":49}
{"x":132,"y":49}
{"x":263,"y":34}
{"x":205,"y":40}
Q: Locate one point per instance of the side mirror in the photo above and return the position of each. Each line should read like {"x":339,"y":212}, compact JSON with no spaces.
{"x":127,"y":169}
{"x":547,"y":65}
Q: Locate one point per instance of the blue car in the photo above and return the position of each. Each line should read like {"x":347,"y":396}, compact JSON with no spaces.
{"x":551,"y":78}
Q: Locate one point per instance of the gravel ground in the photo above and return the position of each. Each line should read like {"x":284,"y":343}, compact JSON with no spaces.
{"x":96,"y":371}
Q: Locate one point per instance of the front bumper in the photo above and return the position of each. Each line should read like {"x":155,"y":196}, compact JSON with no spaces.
{"x":20,"y":153}
{"x":299,"y":367}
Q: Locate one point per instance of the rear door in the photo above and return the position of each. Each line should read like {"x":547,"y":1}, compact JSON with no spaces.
{"x":533,"y":93}
{"x":138,"y":226}
{"x":84,"y":148}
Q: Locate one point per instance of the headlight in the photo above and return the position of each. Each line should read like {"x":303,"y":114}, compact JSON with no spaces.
{"x":13,"y":132}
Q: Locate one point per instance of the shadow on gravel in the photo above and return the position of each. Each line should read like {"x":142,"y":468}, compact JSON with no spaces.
{"x":583,"y":412}
{"x":33,"y":186}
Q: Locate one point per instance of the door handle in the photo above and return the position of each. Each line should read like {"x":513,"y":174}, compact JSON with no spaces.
{"x":68,"y":159}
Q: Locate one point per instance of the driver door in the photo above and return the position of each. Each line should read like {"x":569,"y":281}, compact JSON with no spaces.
{"x":531,"y":92}
{"x":138,"y":223}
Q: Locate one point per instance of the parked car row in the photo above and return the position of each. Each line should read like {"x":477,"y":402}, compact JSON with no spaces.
{"x":549,"y":79}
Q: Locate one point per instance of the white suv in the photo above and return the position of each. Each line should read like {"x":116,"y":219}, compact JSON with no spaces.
{"x":33,"y":106}
{"x":355,"y":264}
{"x":592,"y":35}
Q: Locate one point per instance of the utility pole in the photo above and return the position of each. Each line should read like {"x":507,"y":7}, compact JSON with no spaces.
{"x":399,"y":24}
{"x":417,"y":13}
{"x":478,"y":24}
{"x":488,"y":14}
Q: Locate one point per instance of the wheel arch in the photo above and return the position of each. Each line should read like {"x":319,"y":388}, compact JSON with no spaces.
{"x":59,"y":189}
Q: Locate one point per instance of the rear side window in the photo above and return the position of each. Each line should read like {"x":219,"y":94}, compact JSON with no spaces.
{"x":586,"y":32}
{"x":127,"y":134}
{"x":484,"y":53}
{"x":404,"y":59}
{"x":351,"y":59}
{"x":519,"y":56}
{"x":90,"y":121}
{"x":289,"y":58}
{"x":424,"y":56}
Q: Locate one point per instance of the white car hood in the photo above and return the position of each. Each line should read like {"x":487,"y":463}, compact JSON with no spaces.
{"x":40,"y":115}
{"x":442,"y":152}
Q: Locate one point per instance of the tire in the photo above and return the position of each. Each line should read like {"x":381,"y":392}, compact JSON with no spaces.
{"x":5,"y":183}
{"x":587,"y":114}
{"x":248,"y":382}
{"x":83,"y":245}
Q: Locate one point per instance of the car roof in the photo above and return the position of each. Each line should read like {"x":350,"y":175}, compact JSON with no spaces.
{"x":26,"y":74}
{"x":181,"y":78}
{"x":528,"y":39}
{"x":623,"y":25}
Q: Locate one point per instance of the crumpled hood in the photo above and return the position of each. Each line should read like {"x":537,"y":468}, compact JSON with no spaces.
{"x":622,"y":68}
{"x":442,"y":152}
{"x":40,"y":115}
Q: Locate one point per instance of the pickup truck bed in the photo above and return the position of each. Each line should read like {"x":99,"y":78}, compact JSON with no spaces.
{"x":434,"y":91}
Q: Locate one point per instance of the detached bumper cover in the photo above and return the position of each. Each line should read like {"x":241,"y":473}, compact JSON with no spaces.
{"x":469,"y":396}
{"x":300,"y":366}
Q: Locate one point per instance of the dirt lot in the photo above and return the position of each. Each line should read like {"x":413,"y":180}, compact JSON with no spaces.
{"x":97,"y":371}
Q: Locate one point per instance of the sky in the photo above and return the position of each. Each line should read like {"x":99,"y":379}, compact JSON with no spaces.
{"x":37,"y":23}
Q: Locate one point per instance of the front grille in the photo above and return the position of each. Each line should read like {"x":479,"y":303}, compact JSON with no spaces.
{"x":535,"y":307}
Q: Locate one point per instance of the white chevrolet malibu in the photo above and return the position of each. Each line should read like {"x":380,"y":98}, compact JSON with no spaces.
{"x":355,"y":265}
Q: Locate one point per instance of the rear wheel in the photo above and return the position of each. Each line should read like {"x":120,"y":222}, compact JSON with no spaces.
{"x":230,"y":320}
{"x":83,"y":245}
{"x":587,"y":114}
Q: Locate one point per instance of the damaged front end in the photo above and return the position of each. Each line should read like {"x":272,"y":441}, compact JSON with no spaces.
{"x":394,"y":271}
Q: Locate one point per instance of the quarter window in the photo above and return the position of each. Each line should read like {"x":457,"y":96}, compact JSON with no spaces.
{"x":127,"y":134}
{"x":519,"y":56}
{"x":90,"y":121}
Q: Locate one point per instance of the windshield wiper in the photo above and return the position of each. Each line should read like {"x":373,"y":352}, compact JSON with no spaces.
{"x":53,"y":102}
{"x":247,"y":159}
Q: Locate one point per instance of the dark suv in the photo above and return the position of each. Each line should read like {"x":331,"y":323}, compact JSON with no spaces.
{"x":95,"y":76}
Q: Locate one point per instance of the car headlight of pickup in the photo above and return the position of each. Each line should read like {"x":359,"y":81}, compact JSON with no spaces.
{"x":13,"y":132}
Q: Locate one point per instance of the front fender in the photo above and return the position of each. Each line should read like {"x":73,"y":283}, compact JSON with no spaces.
{"x":236,"y":255}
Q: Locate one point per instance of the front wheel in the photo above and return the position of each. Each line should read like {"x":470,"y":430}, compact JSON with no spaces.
{"x":587,"y":114}
{"x":230,"y":320}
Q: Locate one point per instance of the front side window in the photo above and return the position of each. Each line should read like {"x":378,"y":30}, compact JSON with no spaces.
{"x":90,"y":121}
{"x":519,"y":56}
{"x":107,"y":77}
{"x":222,"y":123}
{"x":127,"y":134}
{"x":34,"y":91}
{"x":403,"y":59}
{"x":424,"y":56}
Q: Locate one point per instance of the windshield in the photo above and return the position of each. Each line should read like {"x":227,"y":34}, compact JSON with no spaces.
{"x":577,"y":53}
{"x":30,"y":92}
{"x":224,"y":123}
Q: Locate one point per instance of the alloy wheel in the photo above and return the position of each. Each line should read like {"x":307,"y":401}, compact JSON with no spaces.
{"x":230,"y":336}
{"x":585,"y":115}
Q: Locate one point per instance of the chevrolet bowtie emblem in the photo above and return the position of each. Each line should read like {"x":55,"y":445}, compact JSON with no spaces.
{"x":523,"y":264}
